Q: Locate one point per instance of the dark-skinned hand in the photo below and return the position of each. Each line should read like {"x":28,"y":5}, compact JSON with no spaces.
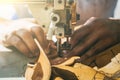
{"x":20,"y":34}
{"x":93,"y":37}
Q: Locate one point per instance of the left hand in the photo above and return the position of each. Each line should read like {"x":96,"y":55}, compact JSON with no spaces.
{"x":93,"y":37}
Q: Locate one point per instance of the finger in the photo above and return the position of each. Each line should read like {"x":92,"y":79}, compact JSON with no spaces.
{"x":41,"y":37}
{"x":15,"y":41}
{"x":89,"y":26}
{"x":87,"y":42}
{"x":27,"y":38}
{"x":83,"y":31}
{"x":79,"y":35}
{"x":84,"y":46}
{"x":96,"y":49}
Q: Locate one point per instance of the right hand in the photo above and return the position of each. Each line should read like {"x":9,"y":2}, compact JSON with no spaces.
{"x":21,"y":34}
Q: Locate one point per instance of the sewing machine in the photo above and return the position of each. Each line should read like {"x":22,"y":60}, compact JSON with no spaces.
{"x":61,"y":23}
{"x":58,"y":19}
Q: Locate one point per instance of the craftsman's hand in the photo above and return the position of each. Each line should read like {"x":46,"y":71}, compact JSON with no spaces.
{"x":93,"y":37}
{"x":21,"y":35}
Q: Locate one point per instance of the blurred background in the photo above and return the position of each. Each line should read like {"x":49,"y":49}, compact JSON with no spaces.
{"x":12,"y":12}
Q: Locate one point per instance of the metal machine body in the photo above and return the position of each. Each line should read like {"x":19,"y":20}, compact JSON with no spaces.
{"x":61,"y":24}
{"x":56,"y":17}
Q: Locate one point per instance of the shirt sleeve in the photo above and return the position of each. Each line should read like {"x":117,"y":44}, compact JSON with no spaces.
{"x":95,"y":8}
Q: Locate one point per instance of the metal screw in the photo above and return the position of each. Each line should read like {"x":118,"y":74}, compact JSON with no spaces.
{"x":60,"y":34}
{"x":59,"y":1}
{"x":43,"y":26}
{"x":46,"y":8}
{"x":71,"y":1}
{"x":54,"y":18}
